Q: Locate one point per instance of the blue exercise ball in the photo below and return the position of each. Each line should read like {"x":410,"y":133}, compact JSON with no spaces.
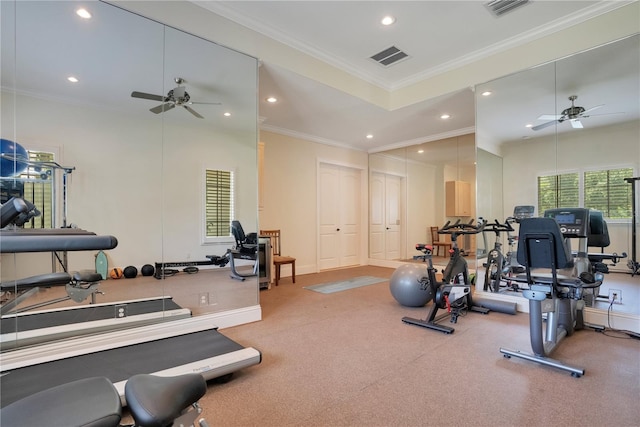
{"x":406,"y":288}
{"x":16,"y":158}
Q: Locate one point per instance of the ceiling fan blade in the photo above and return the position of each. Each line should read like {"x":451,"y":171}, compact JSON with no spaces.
{"x":150,"y":96}
{"x":192,"y":111}
{"x":550,"y":117}
{"x":602,"y":114}
{"x":205,"y":103}
{"x":576,"y":124}
{"x":591,"y":109}
{"x":544,"y":125}
{"x":162,"y":107}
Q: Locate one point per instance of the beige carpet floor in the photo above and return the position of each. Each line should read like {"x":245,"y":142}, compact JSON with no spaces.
{"x":347,"y":359}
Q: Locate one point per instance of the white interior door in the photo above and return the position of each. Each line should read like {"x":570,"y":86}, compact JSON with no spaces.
{"x":393,"y":194}
{"x":339,"y":216}
{"x":385,"y":216}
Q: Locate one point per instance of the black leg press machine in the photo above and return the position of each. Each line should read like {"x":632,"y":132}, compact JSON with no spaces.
{"x":557,"y":282}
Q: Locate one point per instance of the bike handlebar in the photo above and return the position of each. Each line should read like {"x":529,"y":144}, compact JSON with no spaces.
{"x":462,"y":228}
{"x":498,"y":228}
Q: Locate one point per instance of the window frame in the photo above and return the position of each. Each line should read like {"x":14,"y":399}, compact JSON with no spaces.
{"x":581,"y":172}
{"x":211,"y":240}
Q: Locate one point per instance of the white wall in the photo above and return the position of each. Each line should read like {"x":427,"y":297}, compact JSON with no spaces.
{"x":290,"y":194}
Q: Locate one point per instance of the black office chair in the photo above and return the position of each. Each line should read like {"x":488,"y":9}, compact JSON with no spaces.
{"x":542,"y":245}
{"x":246,"y":248}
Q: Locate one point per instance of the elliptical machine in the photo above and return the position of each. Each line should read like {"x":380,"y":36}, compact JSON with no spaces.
{"x":453,"y":294}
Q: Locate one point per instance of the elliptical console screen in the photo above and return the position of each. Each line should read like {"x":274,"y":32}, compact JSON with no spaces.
{"x":573,"y":222}
{"x":566,"y":218}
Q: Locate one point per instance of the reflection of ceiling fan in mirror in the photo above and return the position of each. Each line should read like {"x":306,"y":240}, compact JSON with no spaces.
{"x":176,"y":97}
{"x":572,"y":114}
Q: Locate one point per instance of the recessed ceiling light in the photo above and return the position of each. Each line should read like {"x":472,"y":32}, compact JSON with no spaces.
{"x":528,"y":125}
{"x":445,"y":116}
{"x":272,"y":99}
{"x":369,"y":136}
{"x":388,"y":20}
{"x":72,"y":79}
{"x":227,"y":114}
{"x":420,"y":151}
{"x":83,"y":13}
{"x":486,"y":93}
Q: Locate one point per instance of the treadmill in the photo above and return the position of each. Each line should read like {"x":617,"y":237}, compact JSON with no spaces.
{"x":168,"y":349}
{"x":34,"y":327}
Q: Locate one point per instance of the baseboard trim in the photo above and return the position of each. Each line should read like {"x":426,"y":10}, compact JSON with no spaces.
{"x":230,"y":318}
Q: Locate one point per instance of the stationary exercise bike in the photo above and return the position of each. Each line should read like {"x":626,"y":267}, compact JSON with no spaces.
{"x":453,"y":294}
{"x":152,"y":401}
{"x":543,"y":244}
{"x":496,"y":266}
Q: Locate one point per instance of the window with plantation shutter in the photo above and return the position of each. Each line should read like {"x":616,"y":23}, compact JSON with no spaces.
{"x":557,"y":191}
{"x":608,"y":192}
{"x":35,"y":184}
{"x":219,"y":202}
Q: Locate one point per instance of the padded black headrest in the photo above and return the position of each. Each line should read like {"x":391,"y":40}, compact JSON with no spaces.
{"x":599,"y":233}
{"x":544,"y":243}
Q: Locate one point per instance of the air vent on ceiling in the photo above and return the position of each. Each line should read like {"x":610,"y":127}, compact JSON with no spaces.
{"x":500,"y":7}
{"x":389,"y":56}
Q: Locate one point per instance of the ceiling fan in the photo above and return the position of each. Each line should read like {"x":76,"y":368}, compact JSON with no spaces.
{"x":573,"y":114}
{"x":176,"y":97}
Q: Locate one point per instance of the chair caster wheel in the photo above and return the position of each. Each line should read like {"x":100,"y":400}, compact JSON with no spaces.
{"x":575,"y":375}
{"x":506,"y":356}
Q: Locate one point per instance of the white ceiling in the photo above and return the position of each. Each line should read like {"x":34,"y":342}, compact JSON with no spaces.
{"x":437,"y":35}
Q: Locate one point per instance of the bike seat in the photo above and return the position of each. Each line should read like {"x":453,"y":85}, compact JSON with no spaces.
{"x":87,"y":402}
{"x":157,"y":401}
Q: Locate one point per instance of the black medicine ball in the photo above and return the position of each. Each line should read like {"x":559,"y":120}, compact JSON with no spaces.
{"x":130,"y":272}
{"x":148,"y":270}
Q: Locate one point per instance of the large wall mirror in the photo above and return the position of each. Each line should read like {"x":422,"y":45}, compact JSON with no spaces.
{"x":523,"y":136}
{"x":408,"y":195}
{"x":138,"y":175}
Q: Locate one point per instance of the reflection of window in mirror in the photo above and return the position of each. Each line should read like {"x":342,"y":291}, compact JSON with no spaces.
{"x":35,"y":185}
{"x":603,"y":190}
{"x":219,"y":203}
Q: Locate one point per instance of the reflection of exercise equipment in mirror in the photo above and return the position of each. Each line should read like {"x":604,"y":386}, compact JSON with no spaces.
{"x":278,"y":259}
{"x":38,"y":172}
{"x":500,"y":268}
{"x":152,"y":401}
{"x":496,"y":268}
{"x":79,"y":286}
{"x":542,"y":244}
{"x":454,"y":293}
{"x":633,"y":263}
{"x":246,"y":248}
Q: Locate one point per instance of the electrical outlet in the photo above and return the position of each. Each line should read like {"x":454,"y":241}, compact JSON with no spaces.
{"x":203,"y":298}
{"x":615,"y":296}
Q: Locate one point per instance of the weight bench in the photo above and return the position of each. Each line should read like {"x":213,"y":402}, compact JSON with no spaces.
{"x":79,"y":287}
{"x":541,"y":245}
